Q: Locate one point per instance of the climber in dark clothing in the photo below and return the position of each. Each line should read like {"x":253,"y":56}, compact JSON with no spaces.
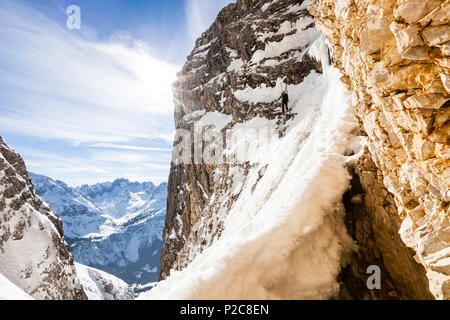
{"x":285,"y":100}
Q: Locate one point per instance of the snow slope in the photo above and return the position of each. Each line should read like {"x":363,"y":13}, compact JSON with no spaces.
{"x":283,"y":237}
{"x":113,"y":226}
{"x":9,"y":291}
{"x":99,"y":285}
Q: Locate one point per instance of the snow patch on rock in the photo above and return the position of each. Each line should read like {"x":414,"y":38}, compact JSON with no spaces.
{"x":100,"y":285}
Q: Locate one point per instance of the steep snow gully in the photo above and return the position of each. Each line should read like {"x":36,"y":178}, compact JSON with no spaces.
{"x":284,"y":236}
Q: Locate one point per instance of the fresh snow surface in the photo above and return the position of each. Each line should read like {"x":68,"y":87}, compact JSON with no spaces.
{"x":236,"y":65}
{"x":285,"y":238}
{"x":100,"y":285}
{"x":216,"y":119}
{"x":9,"y":291}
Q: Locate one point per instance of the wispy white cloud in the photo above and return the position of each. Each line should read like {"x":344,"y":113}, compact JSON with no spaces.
{"x":95,"y":97}
{"x":128,"y":147}
{"x":76,"y":88}
{"x":201,"y":14}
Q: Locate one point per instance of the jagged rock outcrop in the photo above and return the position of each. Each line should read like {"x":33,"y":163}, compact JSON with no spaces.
{"x":394,"y":56}
{"x":33,"y":253}
{"x":251,"y":44}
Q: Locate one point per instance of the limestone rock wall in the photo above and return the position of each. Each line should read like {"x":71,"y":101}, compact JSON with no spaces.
{"x":394,"y":56}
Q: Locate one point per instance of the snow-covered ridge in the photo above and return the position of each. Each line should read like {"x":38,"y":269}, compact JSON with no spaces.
{"x":113,"y":226}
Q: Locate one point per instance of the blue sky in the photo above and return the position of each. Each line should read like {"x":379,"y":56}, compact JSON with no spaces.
{"x":95,"y":104}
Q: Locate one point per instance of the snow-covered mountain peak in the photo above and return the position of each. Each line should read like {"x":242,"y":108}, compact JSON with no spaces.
{"x":112,"y":226}
{"x":122,"y":196}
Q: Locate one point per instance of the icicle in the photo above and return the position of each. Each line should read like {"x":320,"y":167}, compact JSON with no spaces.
{"x":321,"y":51}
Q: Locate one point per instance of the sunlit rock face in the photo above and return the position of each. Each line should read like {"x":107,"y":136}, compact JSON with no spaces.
{"x":33,"y":253}
{"x":394,"y":56}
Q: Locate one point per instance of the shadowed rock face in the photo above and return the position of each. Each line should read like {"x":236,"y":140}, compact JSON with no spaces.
{"x":243,"y":48}
{"x":373,"y":222}
{"x":394,"y":56}
{"x":33,"y":253}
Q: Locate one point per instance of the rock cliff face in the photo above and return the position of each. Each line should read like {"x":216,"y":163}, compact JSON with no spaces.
{"x":394,"y":56}
{"x":33,"y":253}
{"x":251,"y":44}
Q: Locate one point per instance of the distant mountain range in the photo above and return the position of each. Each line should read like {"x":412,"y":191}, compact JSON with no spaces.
{"x":114,"y":226}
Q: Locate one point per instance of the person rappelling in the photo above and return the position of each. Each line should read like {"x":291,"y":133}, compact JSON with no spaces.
{"x":284,"y":102}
